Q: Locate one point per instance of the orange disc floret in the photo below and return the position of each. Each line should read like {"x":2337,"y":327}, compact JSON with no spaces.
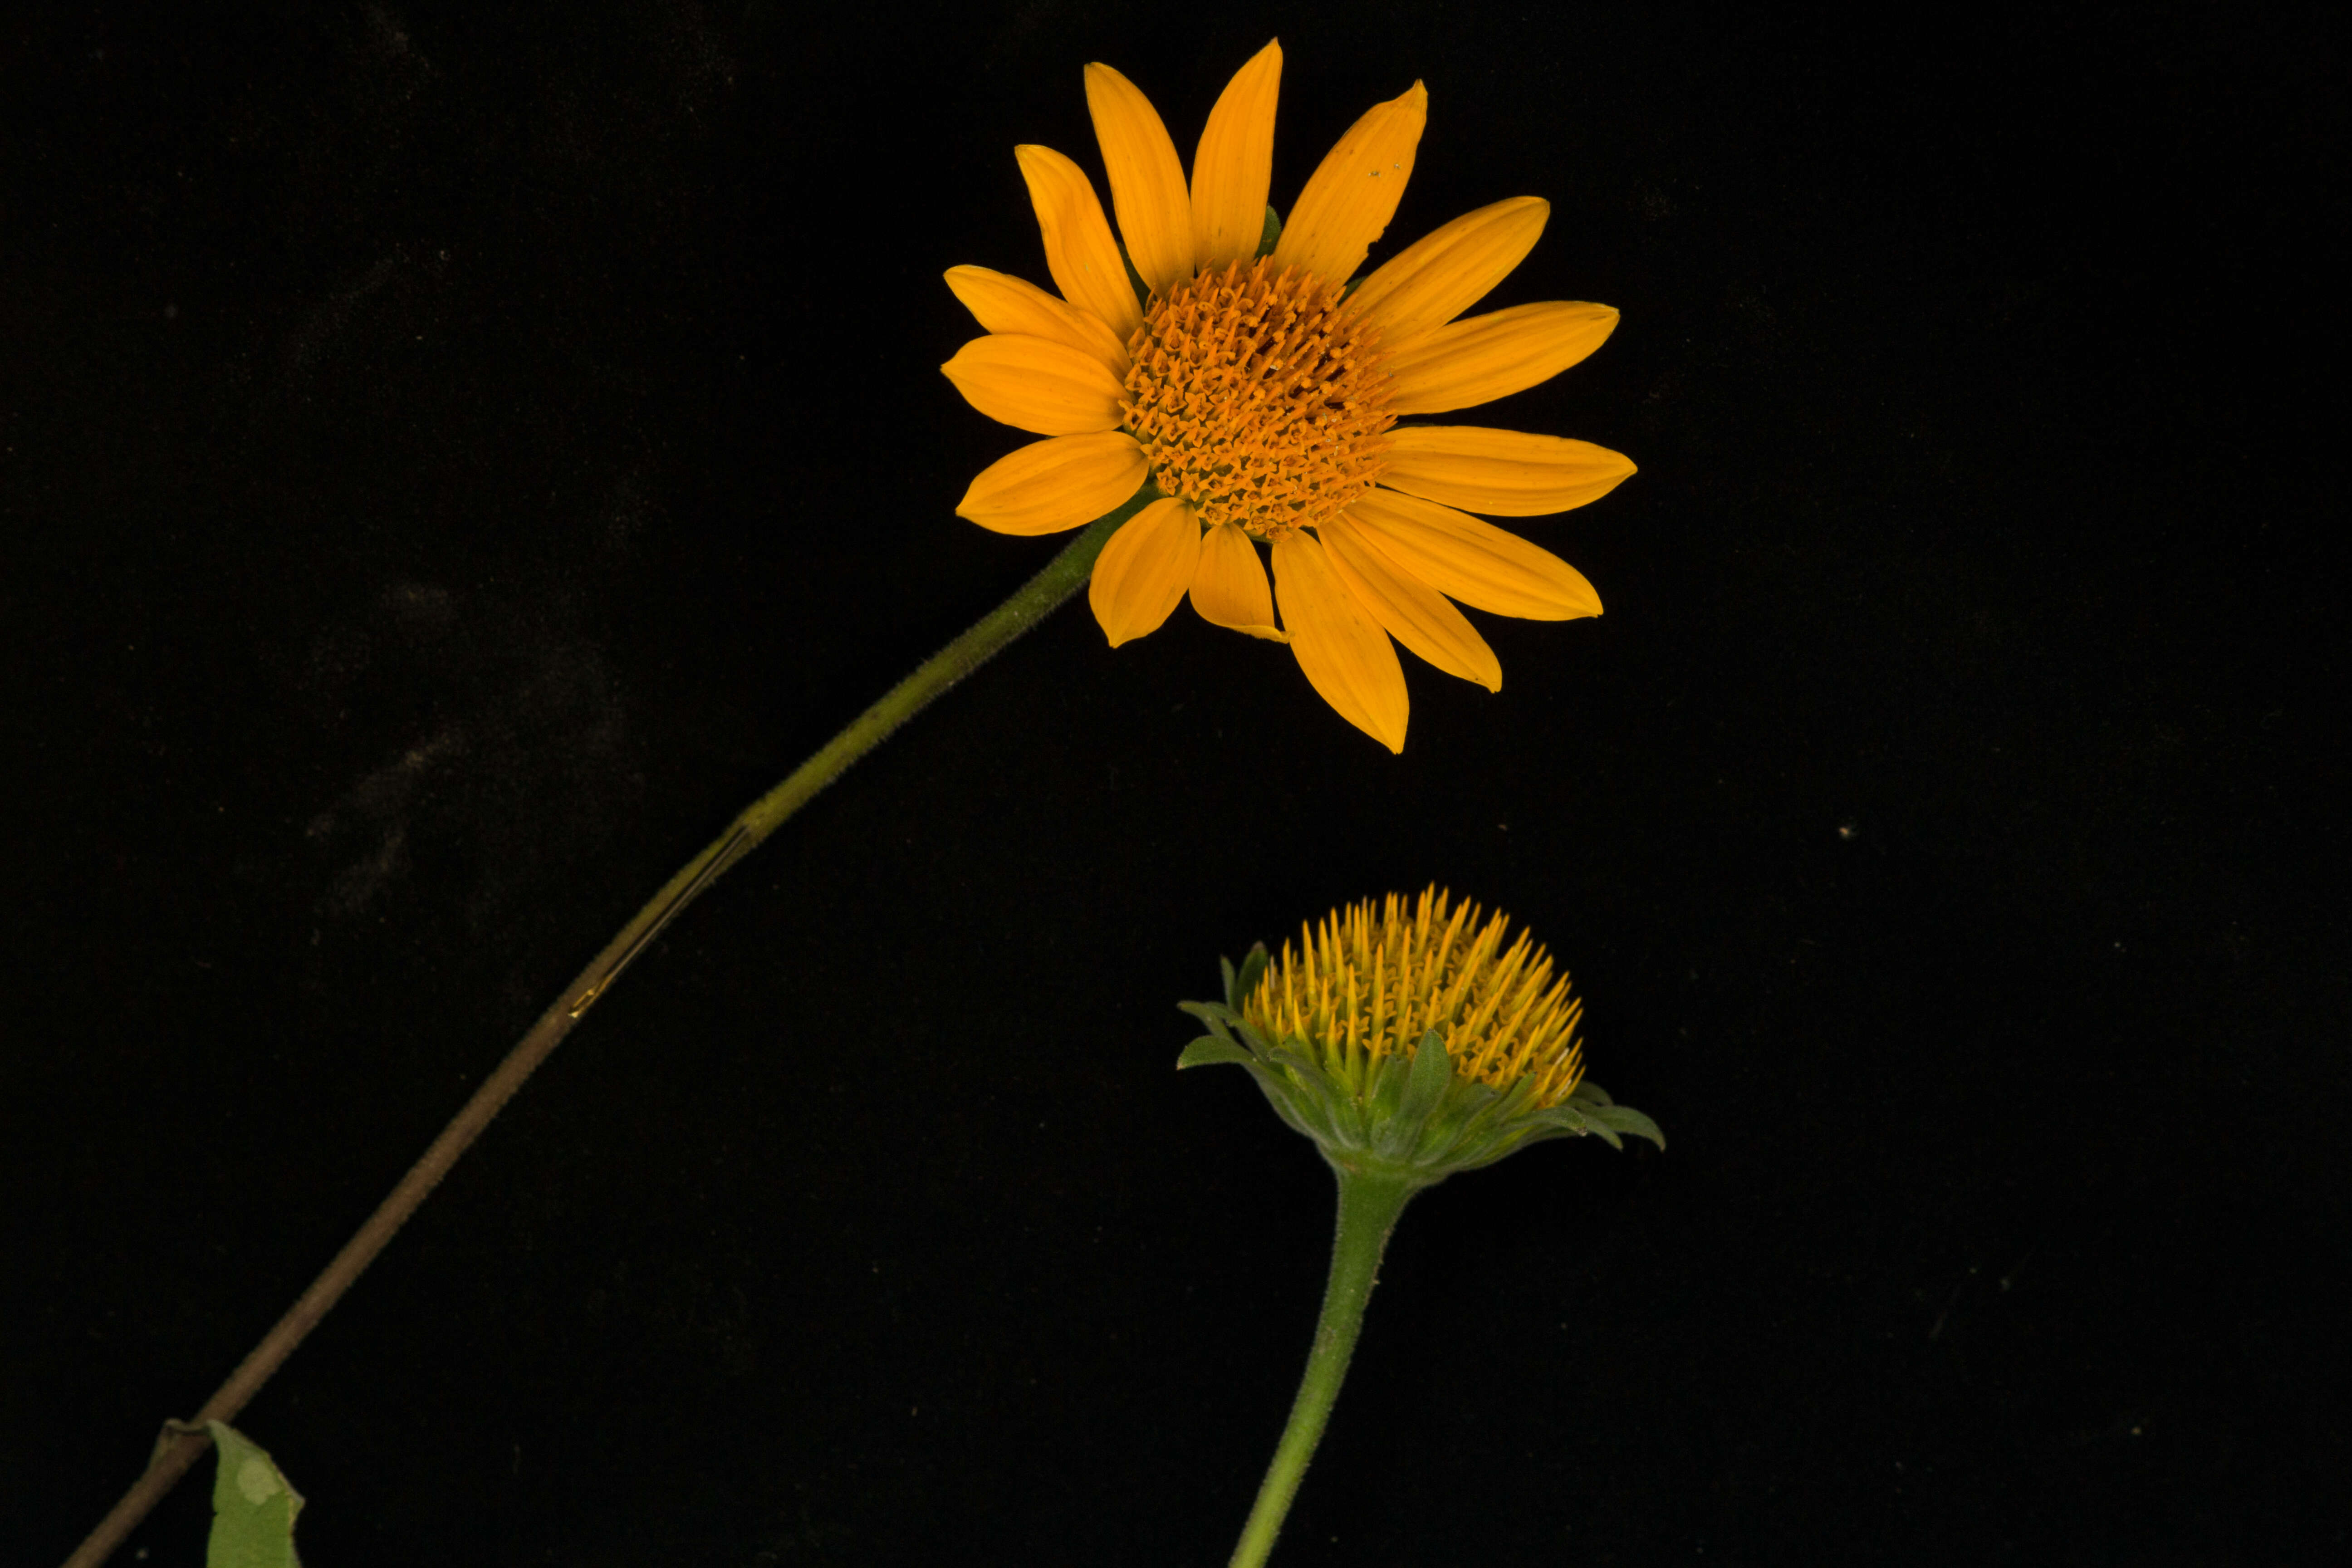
{"x":1259,"y":397}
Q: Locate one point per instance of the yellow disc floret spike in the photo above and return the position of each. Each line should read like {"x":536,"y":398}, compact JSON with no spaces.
{"x":1413,"y":1039}
{"x":1373,"y":980}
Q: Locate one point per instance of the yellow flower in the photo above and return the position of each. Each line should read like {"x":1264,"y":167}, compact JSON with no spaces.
{"x":1260,"y":395}
{"x":1414,"y":1037}
{"x":1369,"y":984}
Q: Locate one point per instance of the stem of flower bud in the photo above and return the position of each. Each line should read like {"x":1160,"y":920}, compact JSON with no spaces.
{"x":1369,"y":1207}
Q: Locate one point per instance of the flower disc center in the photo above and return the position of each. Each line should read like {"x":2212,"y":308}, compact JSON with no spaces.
{"x":1259,"y":397}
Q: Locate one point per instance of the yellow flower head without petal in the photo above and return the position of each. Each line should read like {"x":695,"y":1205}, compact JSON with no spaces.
{"x":1370,"y":983}
{"x":1259,"y":393}
{"x":1413,"y":1039}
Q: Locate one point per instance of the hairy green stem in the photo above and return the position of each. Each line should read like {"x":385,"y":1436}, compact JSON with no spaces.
{"x":183,"y":1443}
{"x":1369,"y":1206}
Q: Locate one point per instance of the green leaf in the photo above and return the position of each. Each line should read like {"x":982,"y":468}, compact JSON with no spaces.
{"x":1386,"y":1092}
{"x":1490,"y":1108}
{"x":1254,"y":1040}
{"x":1582,"y":1118}
{"x":1252,"y":971}
{"x":1208,"y":1012}
{"x":1272,"y":234}
{"x":253,"y":1507}
{"x":1135,"y":278}
{"x":1567,"y":1115}
{"x":1300,"y":1109}
{"x":1225,"y":967}
{"x":1431,"y":1070}
{"x":1305,"y":1068}
{"x":1209,"y":1051}
{"x":1626,"y":1118}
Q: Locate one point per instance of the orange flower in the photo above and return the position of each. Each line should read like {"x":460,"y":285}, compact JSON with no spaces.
{"x":1225,"y":360}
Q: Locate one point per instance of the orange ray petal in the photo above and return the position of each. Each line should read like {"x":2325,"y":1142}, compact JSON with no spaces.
{"x":1142,"y":575}
{"x":1229,"y":585}
{"x":1444,"y":273}
{"x":1079,"y":251}
{"x":1494,"y":355}
{"x":1056,"y":484}
{"x":1232,"y":168}
{"x":1351,"y":196}
{"x":1036,"y":384}
{"x":1002,"y":304}
{"x":1507,"y":473}
{"x":1408,"y":609}
{"x":1348,"y":660}
{"x":1470,"y":560}
{"x":1147,"y":183}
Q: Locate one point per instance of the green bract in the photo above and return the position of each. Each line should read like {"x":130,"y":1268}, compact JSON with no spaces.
{"x":1414,"y":1118}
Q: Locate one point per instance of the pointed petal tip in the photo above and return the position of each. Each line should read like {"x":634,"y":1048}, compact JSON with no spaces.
{"x":1036,"y":384}
{"x":1233,"y":164}
{"x":1054,"y":485}
{"x":1230,"y":587}
{"x":1500,"y":473}
{"x":1479,"y":359}
{"x":1347,"y":202}
{"x":1451,"y":267}
{"x":1407,"y":607}
{"x":1148,"y":188}
{"x":1344,"y":654}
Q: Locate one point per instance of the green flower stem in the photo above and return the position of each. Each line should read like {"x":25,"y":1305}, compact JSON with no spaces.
{"x":1370,"y":1203}
{"x":183,"y":1443}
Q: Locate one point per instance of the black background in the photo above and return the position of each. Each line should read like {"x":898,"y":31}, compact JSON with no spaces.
{"x":455,"y":457}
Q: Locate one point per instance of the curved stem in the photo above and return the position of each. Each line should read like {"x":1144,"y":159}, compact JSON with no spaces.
{"x":1369,"y":1207}
{"x":179,"y":1447}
